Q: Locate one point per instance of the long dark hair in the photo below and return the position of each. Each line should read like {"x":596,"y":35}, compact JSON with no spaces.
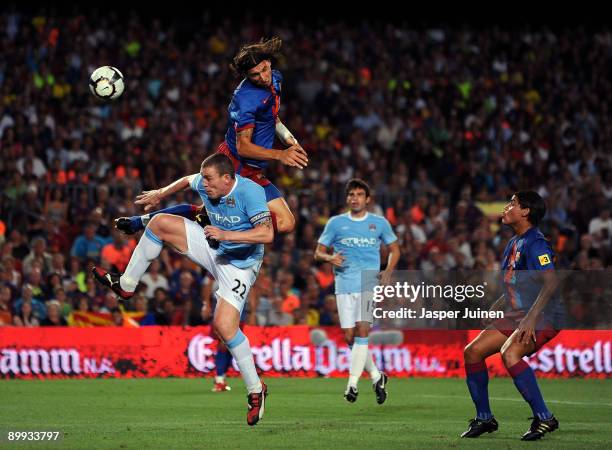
{"x":252,"y":54}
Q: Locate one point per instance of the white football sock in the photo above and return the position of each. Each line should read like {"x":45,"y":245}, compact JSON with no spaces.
{"x":240,"y":349}
{"x":149,"y":247}
{"x":370,"y":367}
{"x":219,"y":378}
{"x":145,"y":219}
{"x":359,"y":354}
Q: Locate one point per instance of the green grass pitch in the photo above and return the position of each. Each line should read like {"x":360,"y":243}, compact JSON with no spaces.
{"x":300,"y":413}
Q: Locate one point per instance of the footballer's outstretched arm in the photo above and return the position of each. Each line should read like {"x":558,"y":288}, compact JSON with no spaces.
{"x":262,"y":233}
{"x":322,"y":254}
{"x":152,"y":198}
{"x":293,"y":156}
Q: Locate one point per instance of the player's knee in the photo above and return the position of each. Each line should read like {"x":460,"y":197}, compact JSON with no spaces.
{"x":223,"y":329}
{"x":362,"y":329}
{"x":510,"y":356}
{"x":471,"y":354}
{"x":159,"y":224}
{"x":155,"y":223}
{"x":349,"y":336}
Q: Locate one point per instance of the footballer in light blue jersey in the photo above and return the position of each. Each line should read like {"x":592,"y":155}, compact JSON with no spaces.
{"x":240,"y":224}
{"x":358,"y":240}
{"x":355,"y":239}
{"x":241,"y":209}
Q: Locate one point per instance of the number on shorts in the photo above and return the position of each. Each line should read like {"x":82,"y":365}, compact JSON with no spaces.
{"x":237,"y":288}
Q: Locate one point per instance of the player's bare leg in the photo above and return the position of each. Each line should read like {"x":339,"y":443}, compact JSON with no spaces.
{"x":525,"y":381}
{"x":171,"y":230}
{"x":487,"y":343}
{"x":282,"y":216}
{"x":226,"y":324}
{"x":163,"y":228}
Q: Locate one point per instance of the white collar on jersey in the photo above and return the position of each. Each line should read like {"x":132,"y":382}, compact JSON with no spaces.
{"x":232,"y":190}
{"x":357,"y":219}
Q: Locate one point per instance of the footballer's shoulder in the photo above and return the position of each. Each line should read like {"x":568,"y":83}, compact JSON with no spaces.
{"x":377,"y":217}
{"x":248,"y":185}
{"x":247,"y":91}
{"x":337,"y":218}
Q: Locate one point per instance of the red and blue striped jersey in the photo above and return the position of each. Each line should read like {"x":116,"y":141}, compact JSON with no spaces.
{"x":255,"y":107}
{"x":523,"y":255}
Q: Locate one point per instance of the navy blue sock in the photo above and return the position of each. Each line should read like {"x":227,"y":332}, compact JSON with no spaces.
{"x":184,"y":210}
{"x":223,"y":359}
{"x":477,"y":378}
{"x":525,"y":381}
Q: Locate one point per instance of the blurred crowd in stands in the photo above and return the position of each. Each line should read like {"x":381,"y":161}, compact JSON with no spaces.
{"x":444,"y":123}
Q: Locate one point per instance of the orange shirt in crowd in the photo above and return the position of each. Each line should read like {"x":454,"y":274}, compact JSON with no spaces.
{"x":118,"y":257}
{"x":290,"y":302}
{"x":325,"y":279}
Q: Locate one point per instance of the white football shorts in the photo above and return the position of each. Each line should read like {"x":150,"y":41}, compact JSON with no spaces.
{"x":354,"y":308}
{"x":234,"y":283}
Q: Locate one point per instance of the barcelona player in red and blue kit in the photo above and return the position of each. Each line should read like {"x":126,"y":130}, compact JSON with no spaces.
{"x":529,"y":322}
{"x":253,"y":123}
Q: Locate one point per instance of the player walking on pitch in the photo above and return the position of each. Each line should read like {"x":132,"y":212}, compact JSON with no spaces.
{"x":355,"y":238}
{"x":241,"y":224}
{"x":526,"y":327}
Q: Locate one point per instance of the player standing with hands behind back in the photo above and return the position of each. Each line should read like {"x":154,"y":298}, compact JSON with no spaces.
{"x":355,"y":238}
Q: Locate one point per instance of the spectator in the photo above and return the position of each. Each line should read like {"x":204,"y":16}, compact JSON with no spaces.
{"x":601,"y":229}
{"x":117,"y":317}
{"x":65,"y":305}
{"x":117,"y":254}
{"x":329,"y":315}
{"x":325,"y":276}
{"x":25,"y":317}
{"x":88,"y":245}
{"x":186,"y":291}
{"x":27,"y":296}
{"x":56,"y":207}
{"x":289,"y":295}
{"x":141,"y":306}
{"x":38,"y":253}
{"x":6,"y":318}
{"x":13,"y":276}
{"x":54,"y":315}
{"x":153,"y":279}
{"x":276,"y":315}
{"x":39,"y":289}
{"x":75,"y":275}
{"x":82,"y":304}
